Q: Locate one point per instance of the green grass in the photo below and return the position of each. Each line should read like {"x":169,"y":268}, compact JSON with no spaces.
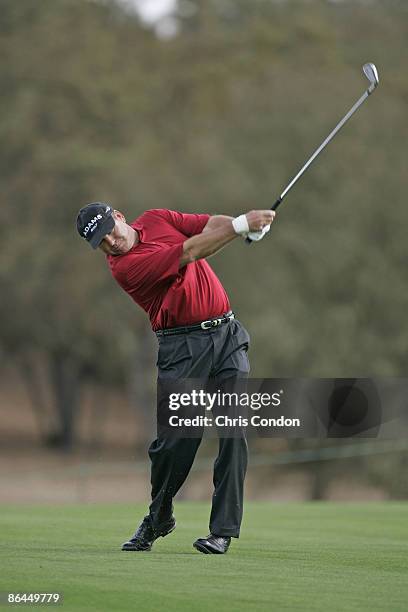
{"x":312,"y":556}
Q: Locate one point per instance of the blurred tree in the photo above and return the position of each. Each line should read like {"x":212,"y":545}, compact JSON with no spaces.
{"x":62,"y":125}
{"x":217,"y":119}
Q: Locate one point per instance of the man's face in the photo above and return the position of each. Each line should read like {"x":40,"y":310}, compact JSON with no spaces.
{"x":117,"y":242}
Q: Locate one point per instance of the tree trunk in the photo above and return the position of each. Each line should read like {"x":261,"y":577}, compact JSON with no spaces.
{"x":30,"y":367}
{"x":65,"y":380}
{"x":320,"y":481}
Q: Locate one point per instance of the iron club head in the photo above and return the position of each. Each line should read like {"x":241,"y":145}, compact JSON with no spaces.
{"x":372,"y":75}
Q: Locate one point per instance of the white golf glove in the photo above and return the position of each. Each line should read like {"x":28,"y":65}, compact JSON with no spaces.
{"x":257,"y":236}
{"x":241,"y":227}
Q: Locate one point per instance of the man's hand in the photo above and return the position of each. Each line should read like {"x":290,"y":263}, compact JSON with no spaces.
{"x":259,"y":219}
{"x":254,"y":225}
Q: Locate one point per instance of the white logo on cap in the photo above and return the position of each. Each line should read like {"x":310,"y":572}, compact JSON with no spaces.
{"x":92,"y":225}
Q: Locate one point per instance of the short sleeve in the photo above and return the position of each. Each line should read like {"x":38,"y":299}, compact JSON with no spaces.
{"x":151,"y":268}
{"x":188,"y":224}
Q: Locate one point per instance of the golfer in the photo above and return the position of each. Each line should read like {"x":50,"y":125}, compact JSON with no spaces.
{"x":160,"y":261}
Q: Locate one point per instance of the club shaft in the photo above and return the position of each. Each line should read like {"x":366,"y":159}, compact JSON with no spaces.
{"x":322,"y":146}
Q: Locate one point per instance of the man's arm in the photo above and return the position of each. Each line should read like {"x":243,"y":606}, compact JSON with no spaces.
{"x":218,"y":232}
{"x":218,"y":221}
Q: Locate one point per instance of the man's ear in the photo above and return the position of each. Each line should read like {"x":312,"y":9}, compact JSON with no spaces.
{"x":118,"y":215}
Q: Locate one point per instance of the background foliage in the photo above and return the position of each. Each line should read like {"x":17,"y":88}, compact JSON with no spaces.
{"x":216,"y":119}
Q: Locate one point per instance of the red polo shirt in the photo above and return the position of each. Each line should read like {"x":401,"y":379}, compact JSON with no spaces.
{"x":150,"y":272}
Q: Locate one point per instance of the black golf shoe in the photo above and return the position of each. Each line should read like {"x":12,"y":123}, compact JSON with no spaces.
{"x":213,"y":544}
{"x":146,"y":534}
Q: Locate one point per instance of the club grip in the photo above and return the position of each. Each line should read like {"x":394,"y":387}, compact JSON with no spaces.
{"x":274,"y":207}
{"x":276,"y":204}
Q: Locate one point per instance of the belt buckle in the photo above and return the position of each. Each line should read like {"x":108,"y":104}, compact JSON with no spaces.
{"x":211,"y":323}
{"x":206,"y":324}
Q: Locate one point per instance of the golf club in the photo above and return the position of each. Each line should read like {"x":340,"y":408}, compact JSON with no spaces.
{"x":371,"y":73}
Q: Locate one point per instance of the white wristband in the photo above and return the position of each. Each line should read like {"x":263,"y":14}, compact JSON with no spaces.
{"x":240,"y":225}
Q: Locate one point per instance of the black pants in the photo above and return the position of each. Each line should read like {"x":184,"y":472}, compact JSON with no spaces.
{"x":219,"y":354}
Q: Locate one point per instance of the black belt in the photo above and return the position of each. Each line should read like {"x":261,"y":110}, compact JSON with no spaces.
{"x":209,"y":324}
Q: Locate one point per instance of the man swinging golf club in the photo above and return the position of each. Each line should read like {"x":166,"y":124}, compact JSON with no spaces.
{"x":160,"y":261}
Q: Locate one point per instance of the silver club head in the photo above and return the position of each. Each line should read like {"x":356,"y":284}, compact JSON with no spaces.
{"x":372,"y":75}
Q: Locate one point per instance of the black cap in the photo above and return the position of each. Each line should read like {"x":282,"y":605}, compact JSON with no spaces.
{"x":94,"y":221}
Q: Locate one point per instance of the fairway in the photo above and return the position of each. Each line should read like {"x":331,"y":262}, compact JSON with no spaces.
{"x":309,"y":556}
